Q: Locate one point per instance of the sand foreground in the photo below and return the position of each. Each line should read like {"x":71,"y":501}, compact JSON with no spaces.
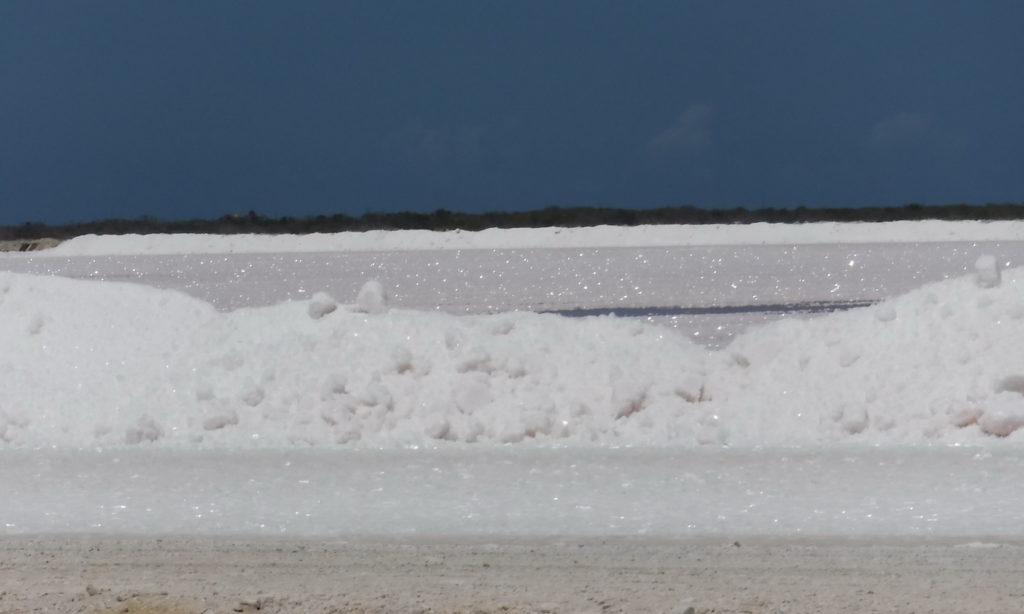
{"x":173,"y":575}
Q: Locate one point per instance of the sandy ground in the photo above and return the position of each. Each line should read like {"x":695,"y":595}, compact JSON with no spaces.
{"x":172,"y":575}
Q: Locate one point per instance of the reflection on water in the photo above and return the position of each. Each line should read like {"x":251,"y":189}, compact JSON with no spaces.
{"x":714,"y":327}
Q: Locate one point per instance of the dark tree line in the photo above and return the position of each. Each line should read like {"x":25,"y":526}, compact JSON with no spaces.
{"x":443,"y":219}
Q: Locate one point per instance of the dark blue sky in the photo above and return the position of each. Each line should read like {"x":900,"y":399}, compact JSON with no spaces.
{"x":198,"y":108}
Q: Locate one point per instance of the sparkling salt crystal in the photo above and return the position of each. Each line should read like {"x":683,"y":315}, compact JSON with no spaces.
{"x":987,"y":269}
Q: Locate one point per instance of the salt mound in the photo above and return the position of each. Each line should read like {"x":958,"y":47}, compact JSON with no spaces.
{"x":80,"y":359}
{"x":524,"y":238}
{"x":320,"y":305}
{"x":372,"y":298}
{"x":942,"y":363}
{"x":174,"y":372}
{"x":87,"y":364}
{"x":987,"y":270}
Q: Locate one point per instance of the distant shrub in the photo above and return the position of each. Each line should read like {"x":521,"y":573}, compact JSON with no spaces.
{"x":443,"y":219}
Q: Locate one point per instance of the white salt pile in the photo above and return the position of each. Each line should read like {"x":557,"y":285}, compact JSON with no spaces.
{"x":526,"y":238}
{"x":100,"y":364}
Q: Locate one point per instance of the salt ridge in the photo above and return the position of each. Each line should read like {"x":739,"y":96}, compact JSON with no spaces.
{"x":103,"y":364}
{"x":525,"y":238}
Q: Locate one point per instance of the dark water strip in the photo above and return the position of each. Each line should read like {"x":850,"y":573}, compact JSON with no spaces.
{"x":641,"y":312}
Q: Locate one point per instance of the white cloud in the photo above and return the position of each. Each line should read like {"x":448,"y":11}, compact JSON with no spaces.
{"x":690,"y":131}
